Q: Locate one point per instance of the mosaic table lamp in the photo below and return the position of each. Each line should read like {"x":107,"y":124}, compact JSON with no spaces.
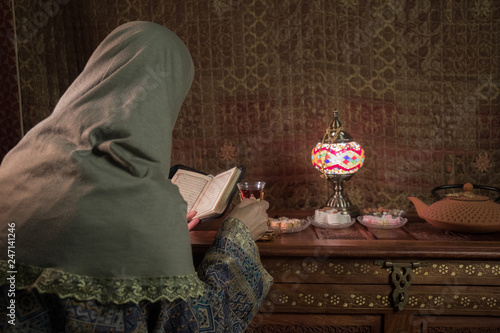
{"x":338,"y":157}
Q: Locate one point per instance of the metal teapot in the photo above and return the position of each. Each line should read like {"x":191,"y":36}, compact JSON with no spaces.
{"x":462,"y":212}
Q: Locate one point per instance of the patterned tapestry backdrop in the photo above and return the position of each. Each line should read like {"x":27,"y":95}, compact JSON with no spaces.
{"x":417,"y":84}
{"x":10,"y":115}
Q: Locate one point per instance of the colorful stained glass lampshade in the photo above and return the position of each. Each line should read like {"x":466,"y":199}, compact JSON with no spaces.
{"x":338,"y":157}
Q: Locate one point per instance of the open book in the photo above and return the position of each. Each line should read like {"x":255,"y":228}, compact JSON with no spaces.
{"x":208,"y":195}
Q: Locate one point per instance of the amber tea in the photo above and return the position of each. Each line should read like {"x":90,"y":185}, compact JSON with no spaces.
{"x":257,"y":194}
{"x":252,"y":189}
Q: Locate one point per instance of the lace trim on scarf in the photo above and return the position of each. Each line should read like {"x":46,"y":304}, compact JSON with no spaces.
{"x":103,"y":290}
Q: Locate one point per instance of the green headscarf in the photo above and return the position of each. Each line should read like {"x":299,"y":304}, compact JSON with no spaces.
{"x":88,"y":187}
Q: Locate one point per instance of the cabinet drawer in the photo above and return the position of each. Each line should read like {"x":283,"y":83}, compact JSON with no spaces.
{"x":356,"y":271}
{"x":424,"y":300}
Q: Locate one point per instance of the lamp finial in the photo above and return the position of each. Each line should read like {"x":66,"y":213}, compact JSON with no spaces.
{"x":336,"y":122}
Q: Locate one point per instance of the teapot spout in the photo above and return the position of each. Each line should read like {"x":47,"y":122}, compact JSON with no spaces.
{"x":419,"y":205}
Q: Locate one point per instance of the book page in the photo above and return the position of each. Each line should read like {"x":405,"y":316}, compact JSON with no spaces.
{"x":190,"y":185}
{"x":213,"y":192}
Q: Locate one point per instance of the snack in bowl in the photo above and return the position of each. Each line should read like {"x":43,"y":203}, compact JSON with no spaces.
{"x":287,"y":225}
{"x":331,"y":218}
{"x":274,"y":223}
{"x":338,"y":218}
{"x":382,"y":218}
{"x":321,"y":215}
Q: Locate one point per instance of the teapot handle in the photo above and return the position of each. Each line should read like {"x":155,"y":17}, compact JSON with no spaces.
{"x":444,"y":187}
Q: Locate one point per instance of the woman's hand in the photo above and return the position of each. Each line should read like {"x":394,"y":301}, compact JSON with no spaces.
{"x":192,"y":222}
{"x":253,"y":214}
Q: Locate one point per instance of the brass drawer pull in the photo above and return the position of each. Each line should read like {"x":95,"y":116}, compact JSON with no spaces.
{"x":401,"y":278}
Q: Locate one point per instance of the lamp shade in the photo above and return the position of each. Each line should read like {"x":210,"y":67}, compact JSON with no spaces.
{"x":341,"y":158}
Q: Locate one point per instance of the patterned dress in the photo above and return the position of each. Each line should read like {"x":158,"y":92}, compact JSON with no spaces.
{"x":235,"y":286}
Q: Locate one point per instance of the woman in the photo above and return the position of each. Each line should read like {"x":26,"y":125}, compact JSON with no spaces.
{"x":97,"y":234}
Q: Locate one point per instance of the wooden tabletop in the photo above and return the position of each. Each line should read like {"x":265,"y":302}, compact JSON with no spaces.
{"x":415,"y":239}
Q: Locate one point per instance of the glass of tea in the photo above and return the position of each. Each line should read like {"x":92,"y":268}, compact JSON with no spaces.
{"x":252,"y":190}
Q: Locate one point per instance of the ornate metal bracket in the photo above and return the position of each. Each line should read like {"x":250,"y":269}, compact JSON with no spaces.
{"x":401,"y":277}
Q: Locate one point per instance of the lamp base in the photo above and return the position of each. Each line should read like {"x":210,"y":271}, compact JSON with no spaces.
{"x":339,"y":200}
{"x":344,"y":206}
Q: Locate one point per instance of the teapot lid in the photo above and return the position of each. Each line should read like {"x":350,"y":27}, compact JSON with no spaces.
{"x":467,"y":194}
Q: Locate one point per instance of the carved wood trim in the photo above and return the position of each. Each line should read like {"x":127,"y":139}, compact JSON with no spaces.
{"x":315,"y":323}
{"x":323,"y":298}
{"x":298,"y":328}
{"x":317,"y":270}
{"x":452,"y":324}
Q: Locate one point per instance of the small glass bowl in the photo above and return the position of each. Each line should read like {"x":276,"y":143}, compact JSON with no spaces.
{"x":382,"y":222}
{"x":326,"y":225}
{"x":287,"y":225}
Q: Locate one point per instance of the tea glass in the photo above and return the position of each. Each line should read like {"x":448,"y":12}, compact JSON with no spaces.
{"x":252,"y":190}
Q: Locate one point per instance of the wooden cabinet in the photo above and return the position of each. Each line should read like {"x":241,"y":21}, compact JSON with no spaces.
{"x":353,"y":280}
